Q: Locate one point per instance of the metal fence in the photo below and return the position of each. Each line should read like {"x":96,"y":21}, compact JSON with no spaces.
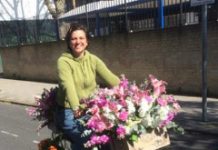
{"x":23,"y":32}
{"x":109,"y":17}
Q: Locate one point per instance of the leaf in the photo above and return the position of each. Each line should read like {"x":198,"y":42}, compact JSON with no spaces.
{"x":134,"y":137}
{"x":180,"y":130}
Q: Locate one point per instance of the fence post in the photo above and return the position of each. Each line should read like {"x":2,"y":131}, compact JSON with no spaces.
{"x":181,"y":13}
{"x":98,"y":24}
{"x":204,"y":61}
{"x":161,"y":14}
{"x":1,"y":66}
{"x":126,"y":18}
{"x":87,"y":15}
{"x":57,"y":29}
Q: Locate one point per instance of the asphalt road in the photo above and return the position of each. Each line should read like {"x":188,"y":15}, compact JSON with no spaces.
{"x":18,"y":132}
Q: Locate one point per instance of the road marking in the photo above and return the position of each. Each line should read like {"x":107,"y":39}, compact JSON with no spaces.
{"x":8,"y":133}
{"x":36,"y":142}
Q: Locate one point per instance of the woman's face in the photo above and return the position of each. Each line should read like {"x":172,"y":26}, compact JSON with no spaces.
{"x":78,"y":42}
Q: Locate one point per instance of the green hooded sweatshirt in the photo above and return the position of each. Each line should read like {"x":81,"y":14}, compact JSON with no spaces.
{"x":77,"y":78}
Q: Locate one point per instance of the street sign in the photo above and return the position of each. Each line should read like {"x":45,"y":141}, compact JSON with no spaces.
{"x":201,"y":2}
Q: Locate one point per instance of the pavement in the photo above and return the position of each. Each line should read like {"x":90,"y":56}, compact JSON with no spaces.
{"x":190,"y":117}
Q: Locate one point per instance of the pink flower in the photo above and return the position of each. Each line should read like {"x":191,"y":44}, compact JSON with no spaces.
{"x":102,"y":102}
{"x":99,"y":123}
{"x":96,"y":140}
{"x":31,"y":111}
{"x":159,"y":86}
{"x":121,"y":132}
{"x":122,"y":102}
{"x":159,"y":90}
{"x":170,"y":117}
{"x":161,"y":102}
{"x":136,"y":99}
{"x":124,"y":82}
{"x":96,"y":124}
{"x":104,"y":139}
{"x":93,"y":110}
{"x":170,"y":99}
{"x":148,"y":98}
{"x":123,"y":116}
{"x":134,"y":88}
{"x":176,"y":106}
{"x":113,"y":106}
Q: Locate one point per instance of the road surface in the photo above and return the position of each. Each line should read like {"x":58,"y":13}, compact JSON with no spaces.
{"x":18,"y":132}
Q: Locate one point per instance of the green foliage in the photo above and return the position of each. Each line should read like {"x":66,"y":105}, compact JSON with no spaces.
{"x":175,"y":127}
{"x":133,"y":137}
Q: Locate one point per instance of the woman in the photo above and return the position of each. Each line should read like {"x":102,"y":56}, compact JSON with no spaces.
{"x":77,"y":70}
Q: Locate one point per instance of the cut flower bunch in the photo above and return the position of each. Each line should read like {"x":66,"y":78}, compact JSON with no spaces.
{"x":127,"y":111}
{"x":45,"y":108}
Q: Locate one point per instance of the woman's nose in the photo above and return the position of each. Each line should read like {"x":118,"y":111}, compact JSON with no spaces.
{"x":78,"y":41}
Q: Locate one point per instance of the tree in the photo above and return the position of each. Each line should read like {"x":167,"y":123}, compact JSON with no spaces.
{"x":55,"y":7}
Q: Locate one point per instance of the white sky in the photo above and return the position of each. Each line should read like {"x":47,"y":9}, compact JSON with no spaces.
{"x":23,"y":9}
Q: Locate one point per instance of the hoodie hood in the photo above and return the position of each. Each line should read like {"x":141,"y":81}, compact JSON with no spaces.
{"x":78,"y":59}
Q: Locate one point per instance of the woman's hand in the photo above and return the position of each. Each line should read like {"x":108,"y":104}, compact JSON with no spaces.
{"x":78,"y":113}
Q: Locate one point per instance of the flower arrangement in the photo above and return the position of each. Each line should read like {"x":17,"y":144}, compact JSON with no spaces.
{"x":126,"y":111}
{"x":45,"y":107}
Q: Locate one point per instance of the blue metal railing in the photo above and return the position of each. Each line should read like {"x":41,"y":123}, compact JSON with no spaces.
{"x":108,"y":17}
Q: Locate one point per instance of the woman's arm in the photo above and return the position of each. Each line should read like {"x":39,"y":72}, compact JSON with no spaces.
{"x":67,"y":82}
{"x":109,"y":77}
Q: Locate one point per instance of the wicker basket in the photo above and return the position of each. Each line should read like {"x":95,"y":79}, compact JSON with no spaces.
{"x":154,"y":140}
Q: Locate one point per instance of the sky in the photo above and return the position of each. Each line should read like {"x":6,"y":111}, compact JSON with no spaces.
{"x":23,"y":9}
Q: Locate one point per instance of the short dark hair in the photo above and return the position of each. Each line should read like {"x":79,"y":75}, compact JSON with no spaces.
{"x":74,"y":27}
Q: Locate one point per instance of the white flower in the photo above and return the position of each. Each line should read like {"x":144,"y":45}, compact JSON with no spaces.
{"x":106,"y":110}
{"x":144,"y":108}
{"x":108,"y":114}
{"x":119,"y":107}
{"x":131,"y":107}
{"x":163,"y":111}
{"x":156,"y":121}
{"x":128,"y":130}
{"x":147,"y":120}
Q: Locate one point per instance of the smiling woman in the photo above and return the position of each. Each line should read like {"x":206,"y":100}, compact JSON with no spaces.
{"x":77,"y":70}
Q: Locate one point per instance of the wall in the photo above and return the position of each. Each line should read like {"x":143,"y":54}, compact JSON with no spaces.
{"x":173,"y":55}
